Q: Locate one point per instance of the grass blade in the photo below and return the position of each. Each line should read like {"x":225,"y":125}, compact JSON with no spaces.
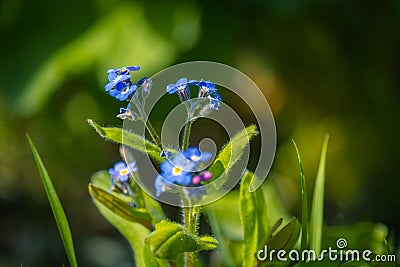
{"x":317,"y":209}
{"x":58,"y":211}
{"x":304,"y":208}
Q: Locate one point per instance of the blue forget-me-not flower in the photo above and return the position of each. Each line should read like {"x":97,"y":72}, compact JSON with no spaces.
{"x":181,"y":169}
{"x":120,"y":172}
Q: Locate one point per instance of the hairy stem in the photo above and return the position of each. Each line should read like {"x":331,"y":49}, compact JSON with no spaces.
{"x":191,"y":217}
{"x":186,"y":135}
{"x":153,"y":134}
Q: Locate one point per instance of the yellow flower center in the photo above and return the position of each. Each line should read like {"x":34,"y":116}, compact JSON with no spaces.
{"x":123,"y":172}
{"x":176,"y":171}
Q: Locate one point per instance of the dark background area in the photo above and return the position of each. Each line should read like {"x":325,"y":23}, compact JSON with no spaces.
{"x":324,"y":66}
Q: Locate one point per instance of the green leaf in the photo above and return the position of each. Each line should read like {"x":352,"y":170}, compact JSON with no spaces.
{"x":248,"y":218}
{"x":149,"y":259}
{"x":154,"y":208}
{"x":276,"y":226}
{"x":254,"y":218}
{"x":56,"y":207}
{"x":152,"y":261}
{"x":120,"y":207}
{"x":317,"y":209}
{"x":264,"y":225}
{"x":226,"y":227}
{"x":171,"y":239}
{"x":102,"y":179}
{"x":232,"y":151}
{"x":129,"y":139}
{"x":304,"y":205}
{"x":286,"y":238}
{"x":134,"y":232}
{"x":143,"y":200}
{"x":222,"y":240}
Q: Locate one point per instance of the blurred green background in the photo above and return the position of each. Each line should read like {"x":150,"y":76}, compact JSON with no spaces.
{"x":324,"y":66}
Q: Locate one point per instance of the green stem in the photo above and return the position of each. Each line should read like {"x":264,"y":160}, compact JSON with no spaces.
{"x":149,"y":126}
{"x":153,"y":134}
{"x":191,"y":217}
{"x":186,"y":135}
{"x":190,"y":213}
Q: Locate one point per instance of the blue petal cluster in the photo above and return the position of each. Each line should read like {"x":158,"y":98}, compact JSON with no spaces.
{"x":181,"y":169}
{"x":206,"y":89}
{"x":127,"y":113}
{"x":120,"y":172}
{"x":181,"y":87}
{"x":119,"y":82}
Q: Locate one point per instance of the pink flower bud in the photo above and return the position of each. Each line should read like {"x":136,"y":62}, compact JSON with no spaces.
{"x":196,"y":179}
{"x":207,"y":175}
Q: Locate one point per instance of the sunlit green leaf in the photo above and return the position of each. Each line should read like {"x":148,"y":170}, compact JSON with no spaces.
{"x":304,"y":205}
{"x":317,"y":209}
{"x":120,"y":207}
{"x":253,"y":210}
{"x":154,"y":208}
{"x":152,"y":261}
{"x":276,"y":207}
{"x":248,"y":216}
{"x":134,"y":232}
{"x":102,"y":179}
{"x":276,"y":226}
{"x":264,"y":224}
{"x":287,"y":237}
{"x":171,"y":239}
{"x":232,"y":152}
{"x":56,"y":207}
{"x":127,"y":138}
{"x":149,"y":259}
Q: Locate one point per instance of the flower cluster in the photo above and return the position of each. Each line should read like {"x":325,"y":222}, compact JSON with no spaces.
{"x":119,"y":82}
{"x":206,"y":90}
{"x":183,"y":169}
{"x":122,"y":88}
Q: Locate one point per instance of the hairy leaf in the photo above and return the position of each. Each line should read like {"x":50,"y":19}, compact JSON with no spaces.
{"x":171,"y":239}
{"x":232,"y":151}
{"x":129,"y":139}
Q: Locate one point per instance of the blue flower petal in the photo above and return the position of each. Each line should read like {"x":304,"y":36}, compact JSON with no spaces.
{"x":161,"y":185}
{"x":181,"y":82}
{"x":206,"y":156}
{"x":171,"y":88}
{"x":184,"y":179}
